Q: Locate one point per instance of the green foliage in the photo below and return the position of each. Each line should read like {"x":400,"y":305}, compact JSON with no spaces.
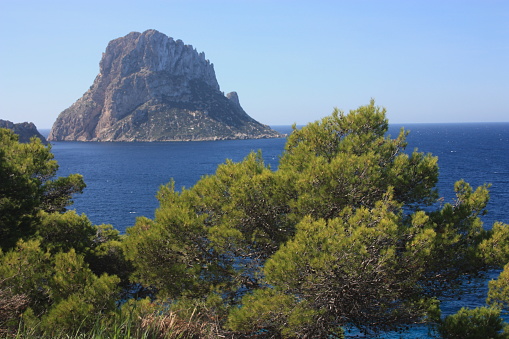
{"x":347,"y":231}
{"x":25,"y":173}
{"x":348,"y":160}
{"x":44,"y":255}
{"x":199,"y":235}
{"x":484,"y":322}
{"x":61,"y":232}
{"x":63,"y":293}
{"x":498,"y":294}
{"x":495,"y":249}
{"x":166,"y":260}
{"x":85,"y":300}
{"x":350,"y":270}
{"x":58,"y":192}
{"x":271,"y":312}
{"x":25,"y":271}
{"x":460,"y":232}
{"x":477,"y":323}
{"x":107,"y":254}
{"x":101,"y":245}
{"x":71,"y":274}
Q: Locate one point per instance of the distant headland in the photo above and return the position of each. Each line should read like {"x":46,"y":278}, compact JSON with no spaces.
{"x":25,"y":130}
{"x":153,"y":88}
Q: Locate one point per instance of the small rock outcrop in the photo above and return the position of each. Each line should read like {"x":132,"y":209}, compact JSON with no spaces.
{"x":153,"y":88}
{"x":24,"y":130}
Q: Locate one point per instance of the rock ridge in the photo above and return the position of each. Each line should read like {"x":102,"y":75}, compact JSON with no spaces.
{"x":151,"y":87}
{"x":25,"y":130}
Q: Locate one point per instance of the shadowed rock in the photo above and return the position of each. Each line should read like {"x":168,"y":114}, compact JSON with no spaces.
{"x":24,"y":130}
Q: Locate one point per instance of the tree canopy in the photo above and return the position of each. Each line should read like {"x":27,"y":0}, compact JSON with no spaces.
{"x":27,"y":172}
{"x":347,"y":232}
{"x":54,"y":263}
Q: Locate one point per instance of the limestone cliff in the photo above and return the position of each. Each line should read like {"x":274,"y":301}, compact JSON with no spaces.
{"x":24,"y":130}
{"x":153,"y":88}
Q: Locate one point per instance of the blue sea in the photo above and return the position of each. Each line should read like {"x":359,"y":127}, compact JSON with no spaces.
{"x":123,"y":178}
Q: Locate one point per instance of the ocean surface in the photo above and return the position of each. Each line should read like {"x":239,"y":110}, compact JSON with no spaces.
{"x":123,"y":178}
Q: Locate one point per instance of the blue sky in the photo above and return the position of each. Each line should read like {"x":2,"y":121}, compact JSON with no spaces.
{"x":289,"y":61}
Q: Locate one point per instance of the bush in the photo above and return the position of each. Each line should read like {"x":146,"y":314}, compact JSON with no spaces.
{"x":477,"y":323}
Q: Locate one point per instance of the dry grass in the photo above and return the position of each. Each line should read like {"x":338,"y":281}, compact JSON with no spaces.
{"x":11,"y":307}
{"x":173,"y":325}
{"x":138,"y":321}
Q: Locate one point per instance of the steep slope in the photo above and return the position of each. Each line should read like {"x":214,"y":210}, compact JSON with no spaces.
{"x":153,"y":88}
{"x":25,"y":130}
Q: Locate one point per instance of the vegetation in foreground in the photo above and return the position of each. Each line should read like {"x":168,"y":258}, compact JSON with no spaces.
{"x":348,"y":232}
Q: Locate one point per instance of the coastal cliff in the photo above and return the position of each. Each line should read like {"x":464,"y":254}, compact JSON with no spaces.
{"x":24,"y":130}
{"x":153,"y":88}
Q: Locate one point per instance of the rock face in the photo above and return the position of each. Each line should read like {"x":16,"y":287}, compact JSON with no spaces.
{"x":25,"y":130}
{"x":153,"y":88}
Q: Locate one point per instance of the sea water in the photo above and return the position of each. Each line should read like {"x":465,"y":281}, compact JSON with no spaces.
{"x":123,"y":178}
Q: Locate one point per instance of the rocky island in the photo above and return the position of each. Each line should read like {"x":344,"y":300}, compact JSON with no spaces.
{"x":153,"y":88}
{"x":25,"y":130}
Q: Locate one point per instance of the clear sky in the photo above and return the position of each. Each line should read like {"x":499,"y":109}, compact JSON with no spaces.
{"x":290,"y":61}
